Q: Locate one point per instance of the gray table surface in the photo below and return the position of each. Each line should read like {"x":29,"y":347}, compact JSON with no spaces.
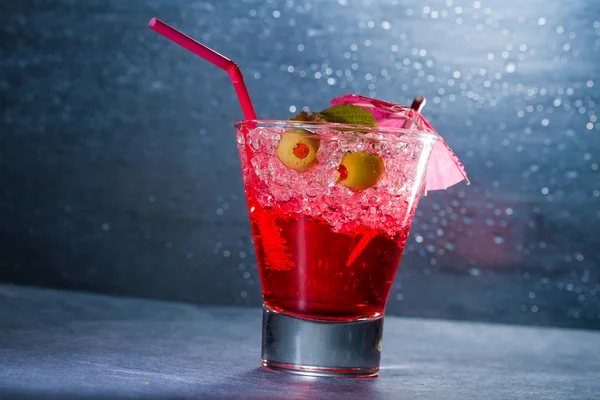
{"x":57,"y":344}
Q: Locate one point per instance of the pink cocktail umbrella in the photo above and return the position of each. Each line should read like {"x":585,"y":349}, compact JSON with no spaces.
{"x":444,"y":168}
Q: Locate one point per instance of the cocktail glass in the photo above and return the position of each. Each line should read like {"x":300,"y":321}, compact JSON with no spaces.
{"x":328,"y":250}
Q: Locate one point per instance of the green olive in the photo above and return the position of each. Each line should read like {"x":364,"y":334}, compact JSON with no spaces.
{"x":360,"y":170}
{"x":297,"y":149}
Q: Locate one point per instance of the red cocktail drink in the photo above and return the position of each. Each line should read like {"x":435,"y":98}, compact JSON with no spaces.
{"x":330,"y":207}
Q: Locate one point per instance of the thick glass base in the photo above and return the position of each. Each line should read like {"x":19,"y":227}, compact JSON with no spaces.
{"x":321,"y":348}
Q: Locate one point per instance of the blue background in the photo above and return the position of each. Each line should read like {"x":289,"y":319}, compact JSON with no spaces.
{"x":119,"y":171}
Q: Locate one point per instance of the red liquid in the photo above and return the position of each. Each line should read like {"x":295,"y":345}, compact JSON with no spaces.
{"x":310,"y":271}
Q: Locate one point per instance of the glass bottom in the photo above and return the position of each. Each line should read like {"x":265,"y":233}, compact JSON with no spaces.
{"x":321,"y":348}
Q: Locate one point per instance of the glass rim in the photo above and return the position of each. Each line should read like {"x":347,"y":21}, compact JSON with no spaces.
{"x":314,"y":127}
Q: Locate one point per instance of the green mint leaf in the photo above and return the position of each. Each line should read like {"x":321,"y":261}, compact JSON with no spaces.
{"x":348,"y":114}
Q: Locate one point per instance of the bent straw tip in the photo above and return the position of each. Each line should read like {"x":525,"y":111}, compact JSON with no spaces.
{"x":418,"y":103}
{"x":152,"y":22}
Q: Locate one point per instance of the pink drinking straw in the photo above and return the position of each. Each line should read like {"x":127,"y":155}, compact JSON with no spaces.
{"x":209,"y":54}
